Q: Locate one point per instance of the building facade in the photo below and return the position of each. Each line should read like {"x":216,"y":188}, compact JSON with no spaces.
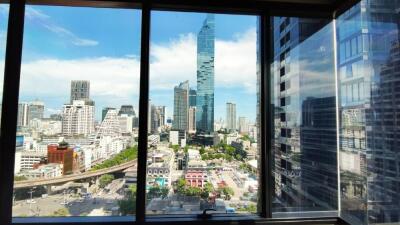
{"x":80,"y":90}
{"x":230,"y":116}
{"x":78,"y":118}
{"x":205,"y":76}
{"x":181,"y":106}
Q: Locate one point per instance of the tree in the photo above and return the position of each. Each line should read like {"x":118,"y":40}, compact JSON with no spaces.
{"x":175,"y":148}
{"x":105,"y":180}
{"x":157,"y":191}
{"x":202,"y":150}
{"x":227,"y":191}
{"x":60,"y":212}
{"x":193,"y":191}
{"x":181,"y":185}
{"x":208,"y":188}
{"x":20,"y":178}
{"x":127,"y":206}
{"x":122,"y":157}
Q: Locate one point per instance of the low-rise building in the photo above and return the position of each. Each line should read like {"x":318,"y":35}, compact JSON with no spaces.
{"x":50,"y":170}
{"x":196,"y":178}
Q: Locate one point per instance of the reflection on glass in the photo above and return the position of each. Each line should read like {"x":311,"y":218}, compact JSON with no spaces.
{"x":368,"y":36}
{"x":77,"y":118}
{"x":3,"y":38}
{"x":304,"y":148}
{"x":202,"y":143}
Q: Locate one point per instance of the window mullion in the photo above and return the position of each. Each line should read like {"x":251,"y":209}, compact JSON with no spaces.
{"x":265,"y":118}
{"x":143,"y":113}
{"x":10,"y":106}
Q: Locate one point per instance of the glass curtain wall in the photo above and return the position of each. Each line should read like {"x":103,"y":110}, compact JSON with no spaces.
{"x":369,"y":90}
{"x":304,"y":110}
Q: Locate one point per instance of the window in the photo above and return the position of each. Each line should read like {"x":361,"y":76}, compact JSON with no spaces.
{"x":3,"y":38}
{"x":202,"y":78}
{"x":333,"y":135}
{"x":77,"y":113}
{"x":303,"y":185}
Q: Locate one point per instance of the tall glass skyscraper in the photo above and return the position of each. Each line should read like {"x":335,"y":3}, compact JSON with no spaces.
{"x":205,"y":76}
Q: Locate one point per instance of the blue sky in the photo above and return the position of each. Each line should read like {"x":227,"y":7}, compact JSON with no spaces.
{"x":103,"y":46}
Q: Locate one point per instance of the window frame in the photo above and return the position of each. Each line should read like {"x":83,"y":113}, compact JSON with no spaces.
{"x":265,"y":9}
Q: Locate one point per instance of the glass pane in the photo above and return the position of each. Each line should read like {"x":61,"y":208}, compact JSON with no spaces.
{"x":77,"y":117}
{"x":3,"y":38}
{"x":369,"y":128}
{"x":202,"y":150}
{"x":305,"y":169}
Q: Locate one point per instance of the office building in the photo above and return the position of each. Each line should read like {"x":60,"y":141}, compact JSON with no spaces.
{"x":127,"y":109}
{"x":104,"y":112}
{"x":301,"y":135}
{"x":23,"y":109}
{"x":181,"y":106}
{"x":243,"y":125}
{"x":230,"y":116}
{"x":80,"y":90}
{"x":78,"y":118}
{"x":192,"y":97}
{"x":192,"y":120}
{"x":35,"y":110}
{"x":205,"y":76}
{"x":110,"y":126}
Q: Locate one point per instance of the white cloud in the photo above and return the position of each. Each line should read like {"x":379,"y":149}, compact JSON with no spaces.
{"x":235,"y":62}
{"x":113,"y":77}
{"x":173,"y":62}
{"x":45,"y":21}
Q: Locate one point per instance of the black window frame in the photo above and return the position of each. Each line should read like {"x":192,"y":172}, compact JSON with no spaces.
{"x":265,"y":9}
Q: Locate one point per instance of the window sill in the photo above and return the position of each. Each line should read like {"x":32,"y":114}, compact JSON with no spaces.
{"x":176,"y":219}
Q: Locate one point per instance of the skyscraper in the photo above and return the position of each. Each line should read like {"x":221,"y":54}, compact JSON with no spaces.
{"x":35,"y":110}
{"x":80,"y":90}
{"x":23,"y":109}
{"x":192,"y":97}
{"x":304,"y":144}
{"x":230,"y":116}
{"x":205,"y":76}
{"x":127,"y":109}
{"x":110,"y":125}
{"x":192,"y":119}
{"x":157,"y":117}
{"x":181,"y":106}
{"x":243,"y":125}
{"x":78,"y":118}
{"x":104,"y":112}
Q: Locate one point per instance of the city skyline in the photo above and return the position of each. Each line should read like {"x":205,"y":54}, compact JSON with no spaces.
{"x":80,"y":60}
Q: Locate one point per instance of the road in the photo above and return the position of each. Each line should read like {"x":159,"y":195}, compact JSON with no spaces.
{"x":67,"y":178}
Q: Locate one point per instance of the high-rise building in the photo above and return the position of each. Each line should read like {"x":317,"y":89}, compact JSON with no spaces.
{"x":110,"y":125}
{"x":192,"y":97}
{"x":104,"y":112}
{"x":127,"y":109}
{"x":80,"y":90}
{"x":23,"y":109}
{"x":35,"y":110}
{"x":157,"y":117}
{"x":205,"y":76}
{"x":181,"y":106}
{"x":368,"y":66}
{"x":230,"y":116}
{"x":243,"y":125}
{"x":78,"y":118}
{"x":304,"y":144}
{"x":192,"y":119}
